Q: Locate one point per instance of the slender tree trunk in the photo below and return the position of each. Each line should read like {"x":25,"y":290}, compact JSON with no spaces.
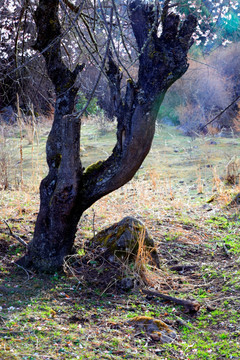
{"x":68,"y":191}
{"x":57,"y":219}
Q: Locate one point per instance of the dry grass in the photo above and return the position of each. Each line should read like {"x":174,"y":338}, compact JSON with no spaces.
{"x":233,"y":171}
{"x":22,"y":153}
{"x":80,"y":314}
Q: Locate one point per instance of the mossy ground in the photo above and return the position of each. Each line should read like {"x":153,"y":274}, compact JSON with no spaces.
{"x":75,"y":316}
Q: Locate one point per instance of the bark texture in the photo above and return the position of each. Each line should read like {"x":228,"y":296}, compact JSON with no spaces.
{"x":68,"y":191}
{"x":57,"y":219}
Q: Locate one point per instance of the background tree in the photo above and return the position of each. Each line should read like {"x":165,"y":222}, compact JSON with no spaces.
{"x":211,"y":83}
{"x":218,"y":22}
{"x":68,"y":189}
{"x":209,"y":86}
{"x":22,"y":70}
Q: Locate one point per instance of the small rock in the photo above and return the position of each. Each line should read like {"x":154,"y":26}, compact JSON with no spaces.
{"x":122,"y":240}
{"x":207,"y":207}
{"x":126,"y":284}
{"x":157,"y":329}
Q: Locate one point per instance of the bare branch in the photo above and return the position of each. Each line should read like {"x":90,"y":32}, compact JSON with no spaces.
{"x":79,"y":114}
{"x":121,"y":30}
{"x":191,"y":306}
{"x":18,"y":238}
{"x":201,"y":128}
{"x":112,"y":41}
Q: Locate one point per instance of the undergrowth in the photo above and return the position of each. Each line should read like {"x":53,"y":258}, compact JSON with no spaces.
{"x":72,"y":315}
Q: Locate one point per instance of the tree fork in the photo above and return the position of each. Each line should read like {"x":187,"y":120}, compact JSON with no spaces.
{"x":68,"y":191}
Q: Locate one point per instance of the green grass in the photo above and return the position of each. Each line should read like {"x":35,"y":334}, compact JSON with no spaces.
{"x":52,"y":317}
{"x":173,"y":155}
{"x":66,"y":316}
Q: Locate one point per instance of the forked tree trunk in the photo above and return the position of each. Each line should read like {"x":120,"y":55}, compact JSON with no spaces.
{"x":68,"y":191}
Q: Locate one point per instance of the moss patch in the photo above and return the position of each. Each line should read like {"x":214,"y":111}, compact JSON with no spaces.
{"x":156,"y":328}
{"x":93,"y":167}
{"x":126,"y":240}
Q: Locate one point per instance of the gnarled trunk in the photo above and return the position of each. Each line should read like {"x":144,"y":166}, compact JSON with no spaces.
{"x":68,"y":191}
{"x":57,"y":219}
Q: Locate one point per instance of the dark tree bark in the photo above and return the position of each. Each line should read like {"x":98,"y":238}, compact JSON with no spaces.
{"x":68,"y":191}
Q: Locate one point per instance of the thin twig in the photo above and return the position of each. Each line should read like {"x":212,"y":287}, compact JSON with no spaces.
{"x":121,"y":30}
{"x":18,"y":238}
{"x":78,"y":31}
{"x":79,"y":114}
{"x":26,"y":271}
{"x":109,"y":31}
{"x":221,"y":112}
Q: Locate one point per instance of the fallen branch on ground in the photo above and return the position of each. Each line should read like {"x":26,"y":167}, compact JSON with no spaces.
{"x":183,"y":268}
{"x":18,"y":238}
{"x":191,"y":306}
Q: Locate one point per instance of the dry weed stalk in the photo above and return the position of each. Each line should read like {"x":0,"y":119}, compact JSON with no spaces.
{"x":199,"y":181}
{"x":141,"y":269}
{"x":30,"y":127}
{"x":233,"y":171}
{"x":4,"y":162}
{"x":20,"y":125}
{"x":217,"y":182}
{"x":168,"y":190}
{"x":95,"y":261}
{"x":153,"y":175}
{"x":223,"y":193}
{"x":68,"y":268}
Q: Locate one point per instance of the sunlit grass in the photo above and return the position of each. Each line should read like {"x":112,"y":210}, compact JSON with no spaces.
{"x":181,"y":195}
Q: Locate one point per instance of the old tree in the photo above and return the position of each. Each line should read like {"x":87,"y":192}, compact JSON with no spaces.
{"x":162,"y":44}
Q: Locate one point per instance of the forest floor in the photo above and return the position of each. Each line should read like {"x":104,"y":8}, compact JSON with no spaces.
{"x":67,"y":315}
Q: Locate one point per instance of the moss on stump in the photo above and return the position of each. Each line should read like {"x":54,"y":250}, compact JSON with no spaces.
{"x":124,"y":239}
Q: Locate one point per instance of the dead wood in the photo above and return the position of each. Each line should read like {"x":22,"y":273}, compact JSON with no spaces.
{"x":18,"y":238}
{"x":190,"y":306}
{"x":183,"y":268}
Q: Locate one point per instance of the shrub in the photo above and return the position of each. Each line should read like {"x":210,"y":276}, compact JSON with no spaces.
{"x":207,"y":88}
{"x":93,"y":107}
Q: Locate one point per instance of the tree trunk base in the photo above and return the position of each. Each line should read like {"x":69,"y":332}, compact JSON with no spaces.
{"x":44,"y":264}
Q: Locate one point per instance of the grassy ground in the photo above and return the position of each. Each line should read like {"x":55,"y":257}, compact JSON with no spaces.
{"x":182,"y":196}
